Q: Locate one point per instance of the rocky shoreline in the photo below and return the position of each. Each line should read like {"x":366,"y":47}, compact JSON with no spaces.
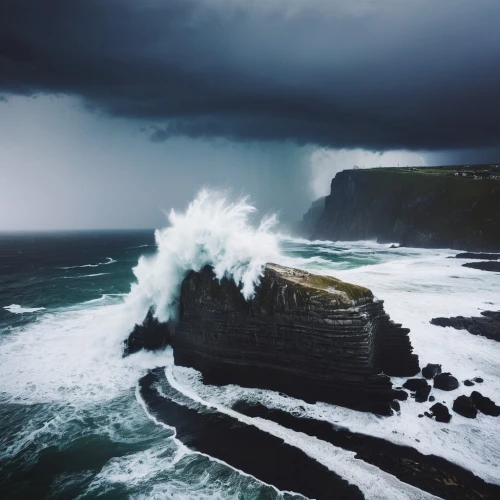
{"x":286,"y":467}
{"x":487,"y":325}
{"x":242,"y":446}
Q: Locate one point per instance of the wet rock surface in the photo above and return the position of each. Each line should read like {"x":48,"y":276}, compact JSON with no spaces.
{"x":487,"y":325}
{"x":485,"y":405}
{"x":445,"y":382}
{"x":150,"y":335}
{"x":400,"y":395}
{"x":430,"y":371}
{"x":493,"y":267}
{"x":479,"y":256}
{"x":440,"y":413}
{"x":422,"y":394}
{"x":464,"y":406}
{"x":414,"y":384}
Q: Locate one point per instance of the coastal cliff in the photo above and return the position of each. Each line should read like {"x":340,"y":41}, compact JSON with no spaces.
{"x":430,"y":208}
{"x":312,"y":337}
{"x":306,"y":226}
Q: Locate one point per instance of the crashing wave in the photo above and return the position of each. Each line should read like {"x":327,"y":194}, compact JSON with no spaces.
{"x":212,"y":231}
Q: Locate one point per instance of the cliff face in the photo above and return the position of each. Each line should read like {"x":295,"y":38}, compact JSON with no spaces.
{"x":308,"y":223}
{"x":413,"y":208}
{"x":312,"y":337}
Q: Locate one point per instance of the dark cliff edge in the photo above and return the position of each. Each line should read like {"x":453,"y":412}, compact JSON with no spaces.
{"x":312,"y":337}
{"x":428,"y":208}
{"x":307,"y":225}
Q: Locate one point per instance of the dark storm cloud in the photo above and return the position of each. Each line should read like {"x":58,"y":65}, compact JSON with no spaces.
{"x":389,"y":74}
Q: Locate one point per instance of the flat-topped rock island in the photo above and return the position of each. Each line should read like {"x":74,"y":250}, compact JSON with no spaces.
{"x":312,"y":337}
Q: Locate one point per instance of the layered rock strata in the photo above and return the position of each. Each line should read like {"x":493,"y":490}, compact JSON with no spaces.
{"x":312,"y":337}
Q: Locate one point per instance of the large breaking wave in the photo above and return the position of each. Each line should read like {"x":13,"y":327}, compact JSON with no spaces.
{"x":213,"y":230}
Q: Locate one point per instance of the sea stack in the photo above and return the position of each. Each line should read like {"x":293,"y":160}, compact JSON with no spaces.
{"x":312,"y":337}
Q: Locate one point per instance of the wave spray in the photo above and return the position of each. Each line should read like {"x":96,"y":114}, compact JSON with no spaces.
{"x":212,"y":231}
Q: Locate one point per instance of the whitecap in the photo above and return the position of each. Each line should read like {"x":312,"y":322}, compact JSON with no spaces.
{"x":109,"y":260}
{"x":83,"y":276}
{"x":17,"y":309}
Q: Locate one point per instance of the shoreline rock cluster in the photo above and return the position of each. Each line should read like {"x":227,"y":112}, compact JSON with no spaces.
{"x":486,"y":325}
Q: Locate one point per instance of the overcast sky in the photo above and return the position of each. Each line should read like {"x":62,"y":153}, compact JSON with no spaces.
{"x":112,"y":111}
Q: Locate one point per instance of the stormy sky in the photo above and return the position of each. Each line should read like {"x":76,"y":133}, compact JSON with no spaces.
{"x":112,"y":110}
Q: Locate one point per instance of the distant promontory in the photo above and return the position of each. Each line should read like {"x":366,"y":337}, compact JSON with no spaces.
{"x":434,"y":207}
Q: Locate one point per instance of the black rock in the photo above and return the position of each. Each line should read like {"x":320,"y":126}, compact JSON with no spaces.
{"x":395,"y":406}
{"x":491,"y":266}
{"x":420,"y":416}
{"x":432,"y":398}
{"x":394,"y":246}
{"x":468,"y":383}
{"x":414,"y":384}
{"x":293,"y":315}
{"x":464,"y":406}
{"x":440,"y":412}
{"x":430,"y":371}
{"x":151,"y":335}
{"x":401,"y":395}
{"x":479,"y":256}
{"x":422,"y":394}
{"x":445,"y":382}
{"x":478,"y":380}
{"x":486,"y":325}
{"x":485,"y":405}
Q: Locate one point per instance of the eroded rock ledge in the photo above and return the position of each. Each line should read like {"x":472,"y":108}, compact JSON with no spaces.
{"x":312,"y":337}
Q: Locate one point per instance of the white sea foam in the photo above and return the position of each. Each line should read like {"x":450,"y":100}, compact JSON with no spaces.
{"x":84,"y":276}
{"x":214,"y":231}
{"x":109,"y":260}
{"x":374,"y":483}
{"x":72,"y":356}
{"x":17,"y":309}
{"x":416,"y":285}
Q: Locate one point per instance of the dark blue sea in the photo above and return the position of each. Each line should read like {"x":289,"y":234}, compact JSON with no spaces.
{"x":72,"y":422}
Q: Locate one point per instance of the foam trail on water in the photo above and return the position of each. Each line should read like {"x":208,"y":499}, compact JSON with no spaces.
{"x":214,"y":231}
{"x":373,"y":482}
{"x":84,"y":276}
{"x":17,"y":309}
{"x":109,"y":260}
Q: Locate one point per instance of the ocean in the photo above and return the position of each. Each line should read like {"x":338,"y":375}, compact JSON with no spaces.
{"x":73,"y":423}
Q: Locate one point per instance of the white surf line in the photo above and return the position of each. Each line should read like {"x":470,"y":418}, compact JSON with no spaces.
{"x":184,"y":450}
{"x":18,"y":309}
{"x":109,"y":261}
{"x":373,"y":482}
